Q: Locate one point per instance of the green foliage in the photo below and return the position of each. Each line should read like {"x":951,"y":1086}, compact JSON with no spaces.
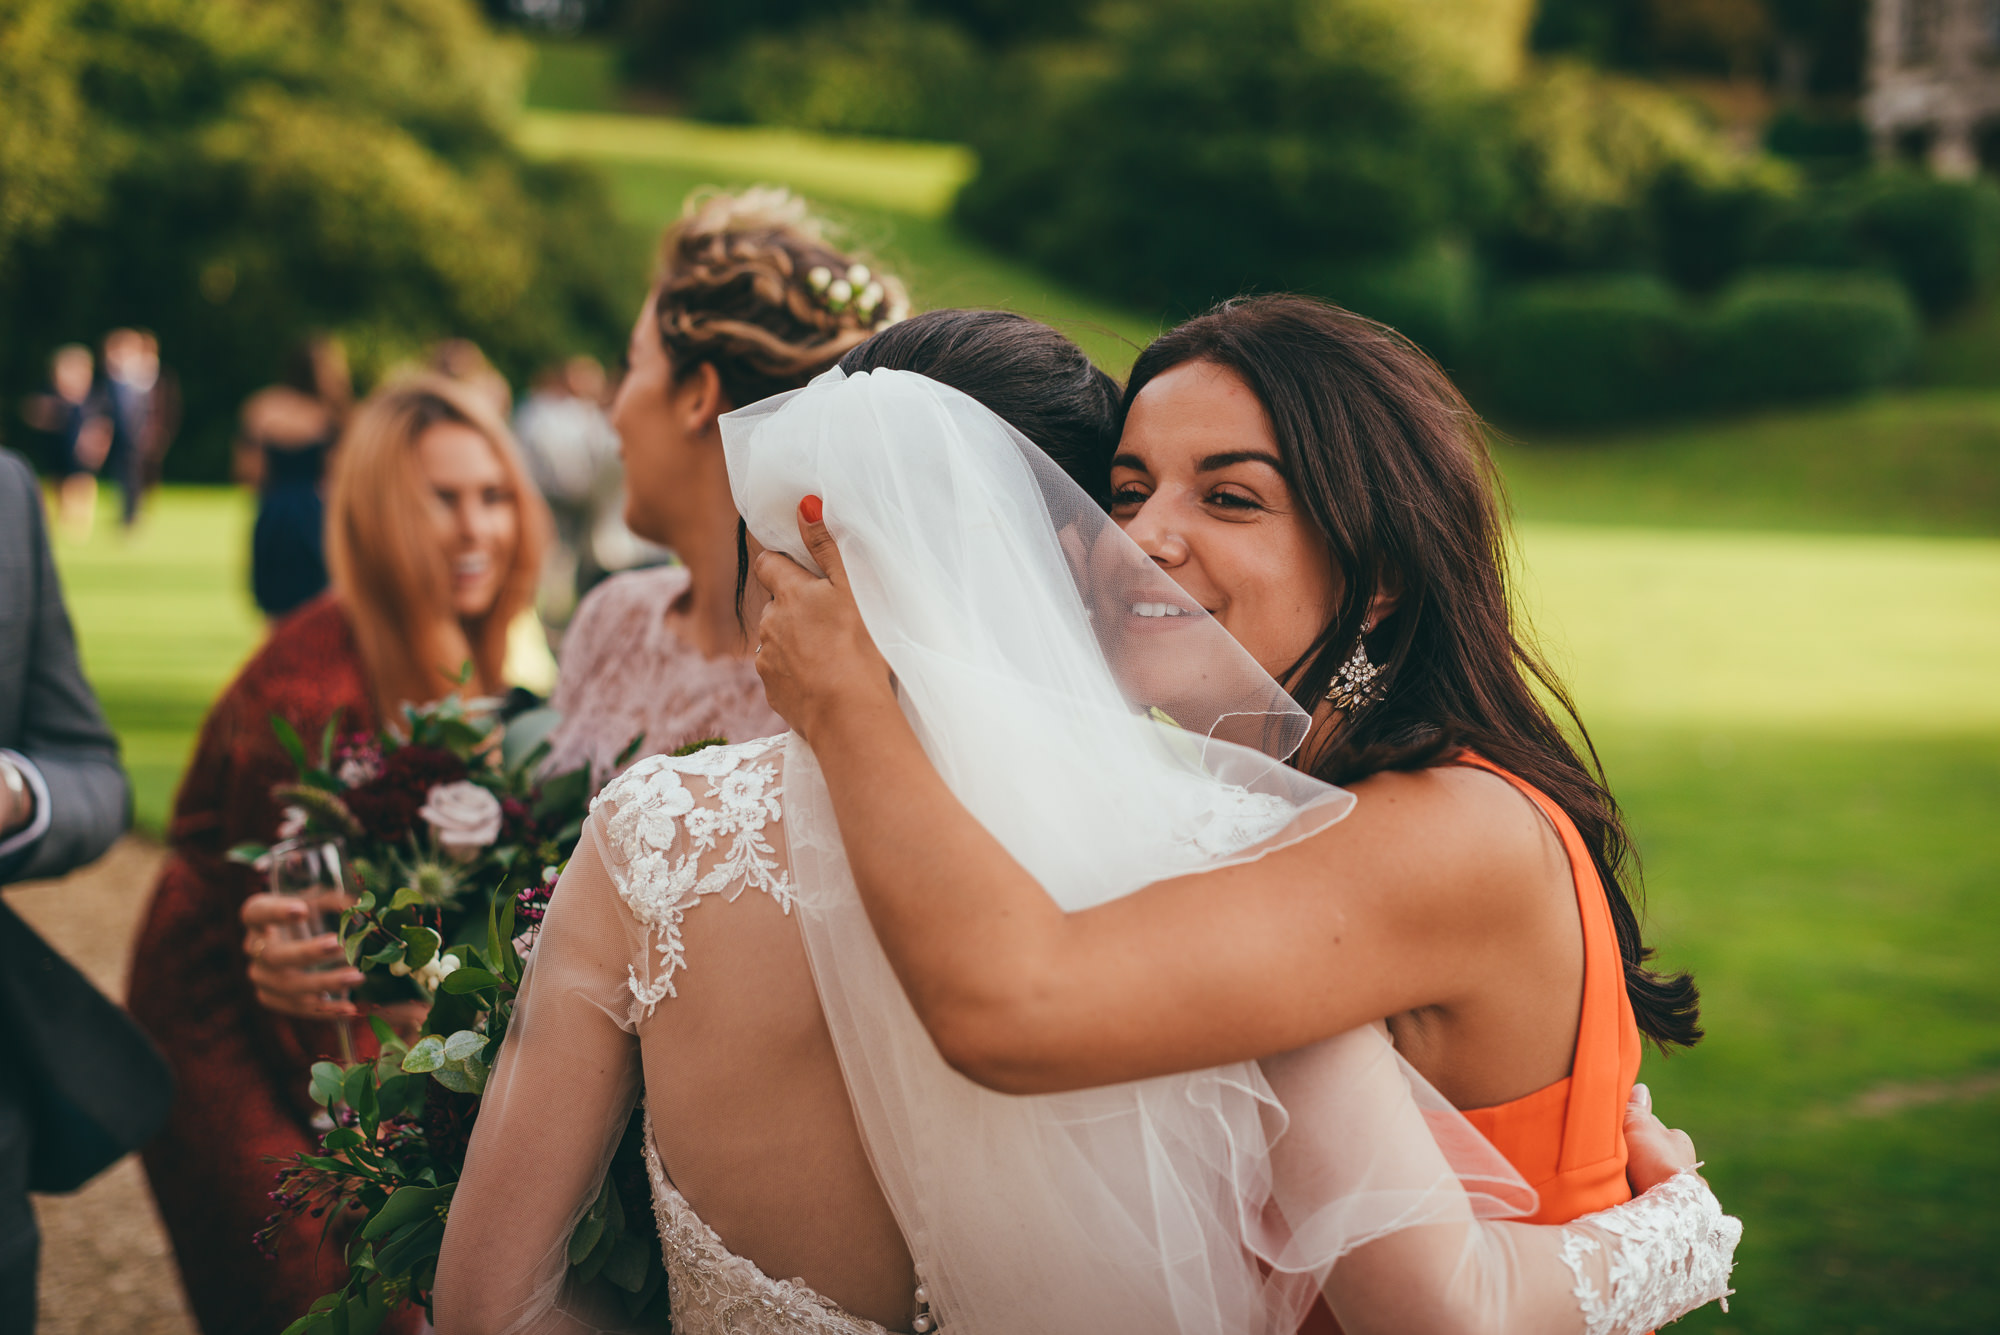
{"x":885,"y":70}
{"x":258,"y":170}
{"x":1941,"y":238}
{"x":1195,"y":150}
{"x":1773,"y":337}
{"x":1611,"y":173}
{"x":1593,"y":351}
{"x":1584,"y":350}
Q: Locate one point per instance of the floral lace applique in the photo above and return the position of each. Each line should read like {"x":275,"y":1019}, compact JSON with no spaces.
{"x":658,"y":833}
{"x":713,"y":1291}
{"x":1676,"y":1250}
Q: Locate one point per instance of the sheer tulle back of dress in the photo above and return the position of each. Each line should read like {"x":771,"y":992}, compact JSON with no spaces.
{"x":1109,"y":743}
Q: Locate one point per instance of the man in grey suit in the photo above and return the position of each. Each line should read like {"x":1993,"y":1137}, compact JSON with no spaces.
{"x":77,"y":1083}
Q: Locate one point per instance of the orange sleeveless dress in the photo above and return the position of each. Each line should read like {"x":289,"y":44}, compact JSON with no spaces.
{"x":1568,"y":1139}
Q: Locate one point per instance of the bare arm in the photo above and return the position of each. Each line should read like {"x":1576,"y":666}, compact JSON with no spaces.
{"x":1395,"y":908}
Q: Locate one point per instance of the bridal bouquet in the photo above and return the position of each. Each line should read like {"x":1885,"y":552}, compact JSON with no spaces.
{"x":452,"y":847}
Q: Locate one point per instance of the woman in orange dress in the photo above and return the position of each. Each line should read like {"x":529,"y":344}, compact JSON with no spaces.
{"x":1317,"y":485}
{"x":435,"y":538}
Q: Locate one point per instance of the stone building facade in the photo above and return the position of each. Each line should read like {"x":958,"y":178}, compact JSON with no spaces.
{"x":1934,"y":81}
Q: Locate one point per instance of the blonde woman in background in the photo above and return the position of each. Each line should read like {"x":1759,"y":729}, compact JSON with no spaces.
{"x":434,"y":540}
{"x":751,"y":299}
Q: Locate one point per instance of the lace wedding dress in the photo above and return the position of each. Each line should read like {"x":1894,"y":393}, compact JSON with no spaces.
{"x":815,"y":1165}
{"x":677,"y":839}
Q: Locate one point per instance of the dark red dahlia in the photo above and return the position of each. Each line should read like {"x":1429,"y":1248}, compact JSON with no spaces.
{"x":387,"y":805}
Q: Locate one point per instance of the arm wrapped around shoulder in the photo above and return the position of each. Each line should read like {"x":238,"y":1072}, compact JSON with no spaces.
{"x":1653,"y":1259}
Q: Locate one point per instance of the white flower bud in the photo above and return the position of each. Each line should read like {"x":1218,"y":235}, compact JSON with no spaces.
{"x":839,"y":293}
{"x":857,"y":274}
{"x":818,"y":278}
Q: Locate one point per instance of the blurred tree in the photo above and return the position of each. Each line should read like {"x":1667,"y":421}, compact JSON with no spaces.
{"x":1802,"y":47}
{"x":1610,"y":173}
{"x":888,"y":69}
{"x":253,"y":169}
{"x":1194,"y":149}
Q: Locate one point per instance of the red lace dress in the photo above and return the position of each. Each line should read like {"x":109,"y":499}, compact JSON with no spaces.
{"x":240,"y":1069}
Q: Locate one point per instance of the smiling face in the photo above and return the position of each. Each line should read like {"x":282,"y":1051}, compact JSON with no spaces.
{"x":473,"y":511}
{"x":1199,"y":484}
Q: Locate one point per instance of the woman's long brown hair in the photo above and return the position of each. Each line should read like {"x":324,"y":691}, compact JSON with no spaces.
{"x":393,"y":577}
{"x":1391,"y":463}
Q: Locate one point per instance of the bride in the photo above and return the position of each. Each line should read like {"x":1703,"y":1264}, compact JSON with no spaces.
{"x":800,"y":1122}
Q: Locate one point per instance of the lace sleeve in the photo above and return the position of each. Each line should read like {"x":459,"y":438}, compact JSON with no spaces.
{"x":1366,"y":1128}
{"x":674,"y":829}
{"x":1652,"y":1260}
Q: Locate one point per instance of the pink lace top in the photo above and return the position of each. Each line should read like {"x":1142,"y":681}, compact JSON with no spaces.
{"x":625,"y":672}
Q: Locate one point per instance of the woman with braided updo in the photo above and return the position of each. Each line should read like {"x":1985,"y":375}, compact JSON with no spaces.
{"x":750,"y":300}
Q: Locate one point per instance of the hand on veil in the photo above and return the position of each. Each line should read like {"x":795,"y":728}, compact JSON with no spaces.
{"x":813,"y":647}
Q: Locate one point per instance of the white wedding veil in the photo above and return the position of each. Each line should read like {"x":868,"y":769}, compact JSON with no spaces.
{"x":1110,"y":734}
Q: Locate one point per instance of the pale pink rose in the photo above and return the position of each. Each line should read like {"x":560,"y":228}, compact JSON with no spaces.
{"x":465,"y":817}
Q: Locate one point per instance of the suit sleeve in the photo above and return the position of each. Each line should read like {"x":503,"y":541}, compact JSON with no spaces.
{"x":62,"y":731}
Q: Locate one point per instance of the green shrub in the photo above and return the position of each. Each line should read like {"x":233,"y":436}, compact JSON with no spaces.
{"x":257,"y":169}
{"x":883,"y":70}
{"x":1614,"y":174}
{"x":1429,"y":295}
{"x":1779,"y":336}
{"x":1196,"y":150}
{"x":1584,"y":351}
{"x":1942,"y":238}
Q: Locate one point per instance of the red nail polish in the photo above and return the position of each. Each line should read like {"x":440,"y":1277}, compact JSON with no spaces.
{"x":812,"y":508}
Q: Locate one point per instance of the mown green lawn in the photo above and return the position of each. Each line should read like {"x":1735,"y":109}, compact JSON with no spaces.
{"x":1785,"y":634}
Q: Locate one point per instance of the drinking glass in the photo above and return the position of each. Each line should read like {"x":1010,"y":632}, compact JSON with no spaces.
{"x":314,"y":869}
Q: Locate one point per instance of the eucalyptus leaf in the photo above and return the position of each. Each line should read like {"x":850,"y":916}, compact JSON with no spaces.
{"x":525,"y":732}
{"x":591,"y":1227}
{"x":458,"y":1080}
{"x":465,"y":1043}
{"x":427,"y":1055}
{"x":627,"y":1266}
{"x":326,"y":1078}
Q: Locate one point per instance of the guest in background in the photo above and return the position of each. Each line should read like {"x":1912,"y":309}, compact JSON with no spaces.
{"x":79,"y":1086}
{"x":287,"y":433}
{"x":434,"y":539}
{"x":163,"y":419}
{"x":79,"y":433}
{"x":131,"y":398}
{"x":751,"y":300}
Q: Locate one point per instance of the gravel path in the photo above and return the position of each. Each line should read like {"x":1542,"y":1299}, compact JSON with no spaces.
{"x":106,"y":1265}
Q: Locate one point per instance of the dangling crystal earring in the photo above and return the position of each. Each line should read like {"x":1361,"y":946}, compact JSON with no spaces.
{"x":1355,"y":686}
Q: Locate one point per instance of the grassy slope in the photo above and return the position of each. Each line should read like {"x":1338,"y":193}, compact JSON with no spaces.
{"x":1801,"y":728}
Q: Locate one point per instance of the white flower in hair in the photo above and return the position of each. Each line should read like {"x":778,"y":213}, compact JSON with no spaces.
{"x":838,"y":295}
{"x":819,"y":277}
{"x":857,"y":274}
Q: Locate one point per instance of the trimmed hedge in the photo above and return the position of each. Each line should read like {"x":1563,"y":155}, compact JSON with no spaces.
{"x":1784,"y":336}
{"x":1599,"y":351}
{"x":1583,"y":351}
